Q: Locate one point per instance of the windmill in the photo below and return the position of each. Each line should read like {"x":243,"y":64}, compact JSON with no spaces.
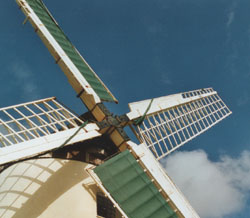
{"x":57,"y":164}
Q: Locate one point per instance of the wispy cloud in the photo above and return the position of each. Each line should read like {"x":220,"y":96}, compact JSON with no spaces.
{"x":230,"y":18}
{"x":233,"y":45}
{"x":24,"y":79}
{"x":231,"y":12}
{"x":165,"y":78}
{"x":161,"y":70}
{"x":243,"y":99}
{"x":215,"y":189}
{"x":155,"y":28}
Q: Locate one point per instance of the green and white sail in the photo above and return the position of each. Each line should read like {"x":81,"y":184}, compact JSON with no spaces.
{"x":80,"y":75}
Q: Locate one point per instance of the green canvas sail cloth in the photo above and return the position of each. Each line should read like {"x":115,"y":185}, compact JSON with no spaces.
{"x":43,"y":14}
{"x":132,"y":188}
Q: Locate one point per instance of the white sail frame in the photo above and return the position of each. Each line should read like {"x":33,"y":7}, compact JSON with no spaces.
{"x":172,"y":121}
{"x":38,"y":126}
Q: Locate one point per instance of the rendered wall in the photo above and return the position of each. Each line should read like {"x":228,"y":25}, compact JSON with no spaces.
{"x":47,"y":188}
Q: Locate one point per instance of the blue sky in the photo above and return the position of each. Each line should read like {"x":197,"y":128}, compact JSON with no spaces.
{"x":141,"y":50}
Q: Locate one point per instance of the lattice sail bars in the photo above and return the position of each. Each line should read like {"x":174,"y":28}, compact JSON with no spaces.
{"x":34,"y":127}
{"x":173,"y":120}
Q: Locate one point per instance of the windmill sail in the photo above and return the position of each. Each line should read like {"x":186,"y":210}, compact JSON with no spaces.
{"x":80,"y":75}
{"x":129,"y":176}
{"x":173,"y":120}
{"x":138,"y":186}
{"x":35,"y":127}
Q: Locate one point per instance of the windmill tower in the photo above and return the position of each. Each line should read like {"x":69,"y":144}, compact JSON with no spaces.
{"x":57,"y":164}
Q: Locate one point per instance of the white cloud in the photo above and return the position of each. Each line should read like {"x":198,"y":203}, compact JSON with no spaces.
{"x":238,"y":170}
{"x":214,"y":189}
